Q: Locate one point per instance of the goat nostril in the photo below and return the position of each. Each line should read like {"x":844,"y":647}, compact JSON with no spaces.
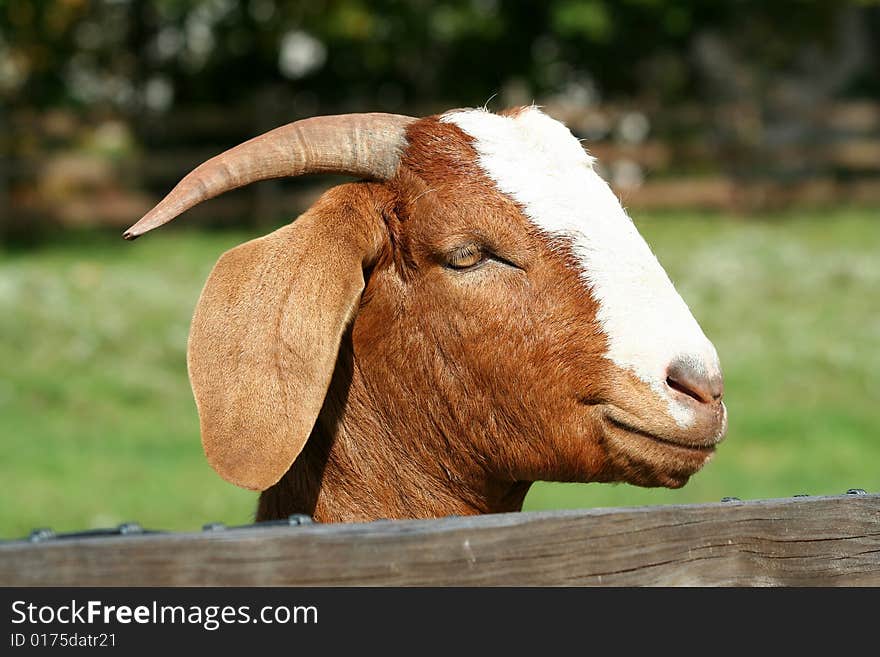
{"x":675,"y":385}
{"x":691,"y":380}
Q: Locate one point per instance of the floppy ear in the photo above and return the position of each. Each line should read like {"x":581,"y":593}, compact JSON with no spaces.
{"x":266,"y":332}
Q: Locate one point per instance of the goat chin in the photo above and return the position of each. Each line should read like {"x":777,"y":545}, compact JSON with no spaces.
{"x":479,"y":315}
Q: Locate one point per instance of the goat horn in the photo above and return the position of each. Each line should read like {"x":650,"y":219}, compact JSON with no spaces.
{"x":363,"y":145}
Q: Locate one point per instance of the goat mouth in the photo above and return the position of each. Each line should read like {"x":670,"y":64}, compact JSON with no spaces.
{"x":629,"y":428}
{"x":643,"y":458}
{"x":646,"y":457}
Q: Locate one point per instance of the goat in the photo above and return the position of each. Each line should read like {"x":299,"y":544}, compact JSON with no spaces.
{"x":476,"y":314}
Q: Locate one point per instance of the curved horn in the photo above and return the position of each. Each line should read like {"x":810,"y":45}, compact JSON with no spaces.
{"x":364,"y":145}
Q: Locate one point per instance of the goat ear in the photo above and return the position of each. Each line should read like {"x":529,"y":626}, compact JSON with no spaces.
{"x":267,"y":329}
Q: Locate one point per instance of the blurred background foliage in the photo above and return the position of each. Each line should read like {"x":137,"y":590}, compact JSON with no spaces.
{"x":138,"y":55}
{"x":743,"y":136}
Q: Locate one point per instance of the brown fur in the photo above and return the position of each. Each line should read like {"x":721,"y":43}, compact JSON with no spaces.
{"x":451,"y":390}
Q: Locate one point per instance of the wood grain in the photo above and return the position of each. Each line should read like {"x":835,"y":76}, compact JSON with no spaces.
{"x":808,"y":541}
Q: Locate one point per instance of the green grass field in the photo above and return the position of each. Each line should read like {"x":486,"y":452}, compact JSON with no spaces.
{"x":97,"y":423}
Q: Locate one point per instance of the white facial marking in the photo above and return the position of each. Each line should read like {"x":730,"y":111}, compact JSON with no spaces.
{"x":538,"y":163}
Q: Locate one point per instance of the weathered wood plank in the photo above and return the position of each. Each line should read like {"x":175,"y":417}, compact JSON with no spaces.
{"x":800,"y":541}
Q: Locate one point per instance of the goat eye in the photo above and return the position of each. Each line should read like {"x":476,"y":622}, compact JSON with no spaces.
{"x":465,"y":257}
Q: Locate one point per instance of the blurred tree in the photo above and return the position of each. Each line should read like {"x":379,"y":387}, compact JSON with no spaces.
{"x":88,"y":81}
{"x":327,"y":54}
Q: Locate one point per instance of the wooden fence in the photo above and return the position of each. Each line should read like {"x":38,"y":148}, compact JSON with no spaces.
{"x":803,"y":541}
